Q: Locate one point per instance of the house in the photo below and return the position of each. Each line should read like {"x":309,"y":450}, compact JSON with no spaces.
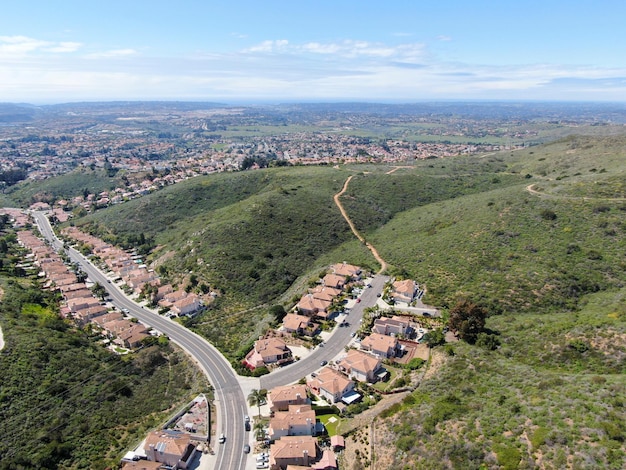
{"x":280,"y":398}
{"x":360,"y":366}
{"x":164,"y":290}
{"x":325,"y":293}
{"x":311,"y":306}
{"x":170,"y":448}
{"x":328,"y":461}
{"x":106,"y":318}
{"x":299,"y":420}
{"x":334,"y":281}
{"x":132,"y":337}
{"x":187,"y":305}
{"x":75,"y":294}
{"x":293,"y":450}
{"x":346,"y":270}
{"x":268,"y":351}
{"x":82,"y":302}
{"x":392,"y":326}
{"x":404,"y":291}
{"x":141,"y":465}
{"x":330,"y":385}
{"x":381,"y":345}
{"x":83,"y":315}
{"x":300,"y":324}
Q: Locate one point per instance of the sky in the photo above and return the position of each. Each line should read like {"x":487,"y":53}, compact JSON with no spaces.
{"x":277,"y":51}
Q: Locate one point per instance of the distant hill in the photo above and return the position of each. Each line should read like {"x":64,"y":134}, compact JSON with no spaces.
{"x":18,"y":112}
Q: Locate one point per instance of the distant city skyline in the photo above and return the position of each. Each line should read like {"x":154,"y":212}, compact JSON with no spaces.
{"x":281,"y":51}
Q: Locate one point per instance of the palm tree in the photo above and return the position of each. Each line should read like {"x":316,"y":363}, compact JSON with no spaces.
{"x":257,"y":398}
{"x":259,"y":430}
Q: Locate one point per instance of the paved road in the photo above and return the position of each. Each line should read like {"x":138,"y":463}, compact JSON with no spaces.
{"x":335,"y":344}
{"x":229,"y":397}
{"x":230,"y":389}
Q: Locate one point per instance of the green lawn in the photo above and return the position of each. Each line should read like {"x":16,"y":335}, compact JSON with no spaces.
{"x":331,"y":422}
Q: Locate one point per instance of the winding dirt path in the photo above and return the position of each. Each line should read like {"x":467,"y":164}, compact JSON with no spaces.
{"x":382,"y":262}
{"x":531,"y":189}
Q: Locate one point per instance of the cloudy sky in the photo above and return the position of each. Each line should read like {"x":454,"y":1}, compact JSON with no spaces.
{"x":317,"y":50}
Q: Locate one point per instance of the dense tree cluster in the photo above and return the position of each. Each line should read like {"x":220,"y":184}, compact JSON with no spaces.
{"x":468,"y":320}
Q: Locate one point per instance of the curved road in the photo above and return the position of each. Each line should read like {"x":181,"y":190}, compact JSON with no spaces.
{"x":228,"y":386}
{"x":230,"y":400}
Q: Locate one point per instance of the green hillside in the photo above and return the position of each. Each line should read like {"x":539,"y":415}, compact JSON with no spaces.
{"x":537,"y":236}
{"x":550,"y":268}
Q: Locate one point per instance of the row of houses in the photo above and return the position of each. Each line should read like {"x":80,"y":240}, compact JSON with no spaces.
{"x":292,"y":430}
{"x":79,"y":303}
{"x":315,"y":305}
{"x":137,"y":276}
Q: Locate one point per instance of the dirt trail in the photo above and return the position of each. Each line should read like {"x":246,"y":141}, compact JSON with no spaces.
{"x":531,"y":189}
{"x":383,"y":263}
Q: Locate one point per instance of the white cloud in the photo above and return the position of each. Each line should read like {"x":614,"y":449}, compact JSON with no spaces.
{"x":444,"y":38}
{"x":114,"y":53}
{"x":278,"y":69}
{"x":65,"y":47}
{"x":269,"y":46}
{"x":20,"y":46}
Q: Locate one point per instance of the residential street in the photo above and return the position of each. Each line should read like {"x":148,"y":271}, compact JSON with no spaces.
{"x":230,"y":389}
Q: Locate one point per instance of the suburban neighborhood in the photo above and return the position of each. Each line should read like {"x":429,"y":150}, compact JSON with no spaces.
{"x":291,"y":428}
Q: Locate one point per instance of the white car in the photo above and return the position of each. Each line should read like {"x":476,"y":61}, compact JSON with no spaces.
{"x":222,"y":438}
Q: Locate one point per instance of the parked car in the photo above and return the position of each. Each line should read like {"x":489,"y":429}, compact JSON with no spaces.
{"x":222,"y":438}
{"x":323,"y":363}
{"x":246,"y":449}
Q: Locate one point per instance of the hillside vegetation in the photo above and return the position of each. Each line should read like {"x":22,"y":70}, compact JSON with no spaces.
{"x":66,"y":401}
{"x":537,"y":236}
{"x":550,"y":268}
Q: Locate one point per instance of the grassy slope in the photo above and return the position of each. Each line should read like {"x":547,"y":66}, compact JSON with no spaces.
{"x":551,"y":266}
{"x":552,"y":395}
{"x":65,"y":186}
{"x":85,"y":406}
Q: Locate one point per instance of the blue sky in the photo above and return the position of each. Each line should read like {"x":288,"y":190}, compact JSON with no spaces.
{"x":279,"y":51}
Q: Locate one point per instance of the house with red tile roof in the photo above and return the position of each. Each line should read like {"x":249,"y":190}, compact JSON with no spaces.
{"x":187,"y":305}
{"x":268,"y":351}
{"x":280,"y":398}
{"x":311,"y":306}
{"x":360,"y":366}
{"x":334,"y":281}
{"x":171,"y":448}
{"x":84,"y":315}
{"x":392,"y":326}
{"x":325,"y":293}
{"x":346,"y":270}
{"x":300,"y":324}
{"x":404,"y":291}
{"x":381,"y":345}
{"x":298,"y":420}
{"x":330,"y":384}
{"x":82,"y":302}
{"x":294,"y":450}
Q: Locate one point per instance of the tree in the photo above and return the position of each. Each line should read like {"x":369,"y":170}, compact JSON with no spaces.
{"x":435,"y":338}
{"x":259,"y":430}
{"x":468,"y":320}
{"x":99,"y":291}
{"x":257,"y":398}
